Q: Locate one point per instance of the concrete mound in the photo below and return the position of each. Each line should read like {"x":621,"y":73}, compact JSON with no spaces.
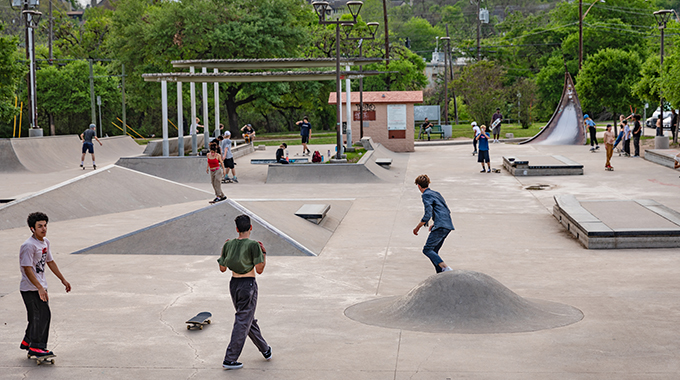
{"x":463,"y":302}
{"x":108,"y":190}
{"x":201,"y":232}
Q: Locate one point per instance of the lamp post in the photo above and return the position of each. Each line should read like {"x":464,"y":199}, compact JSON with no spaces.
{"x":662,"y":18}
{"x":580,"y":29}
{"x":322,"y":9}
{"x":372,"y":29}
{"x":446,"y":79}
{"x":32,"y":18}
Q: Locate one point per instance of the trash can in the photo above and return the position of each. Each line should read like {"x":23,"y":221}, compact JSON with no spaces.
{"x":448,"y":131}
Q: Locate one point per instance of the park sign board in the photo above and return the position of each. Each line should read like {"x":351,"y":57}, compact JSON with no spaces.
{"x":396,"y":116}
{"x":368,"y":115}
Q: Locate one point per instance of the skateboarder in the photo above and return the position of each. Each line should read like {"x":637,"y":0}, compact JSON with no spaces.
{"x":305,"y":133}
{"x":34,"y":254}
{"x":590,"y":124}
{"x":244,"y":258}
{"x":214,"y":168}
{"x":609,"y":146}
{"x":280,"y":155}
{"x":496,"y":125}
{"x":437,"y":210}
{"x":476,"y":131}
{"x":248,"y":133}
{"x":88,"y":146}
{"x":228,"y":159}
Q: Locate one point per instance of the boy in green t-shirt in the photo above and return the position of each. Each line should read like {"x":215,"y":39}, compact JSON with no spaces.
{"x":244,"y":257}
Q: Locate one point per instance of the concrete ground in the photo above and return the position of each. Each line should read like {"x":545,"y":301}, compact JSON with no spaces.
{"x":125,"y":315}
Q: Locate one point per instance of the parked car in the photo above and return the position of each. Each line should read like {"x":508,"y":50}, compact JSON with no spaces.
{"x":651,"y":122}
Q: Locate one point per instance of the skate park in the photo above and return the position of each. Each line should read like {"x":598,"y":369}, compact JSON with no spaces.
{"x":125,"y":315}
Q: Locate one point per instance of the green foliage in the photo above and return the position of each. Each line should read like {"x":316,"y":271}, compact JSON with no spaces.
{"x":421,"y":33}
{"x":84,"y":40}
{"x":481,"y":85}
{"x":647,"y":88}
{"x":606,"y":79}
{"x":409,"y":74}
{"x":11,"y":73}
{"x":525,"y":92}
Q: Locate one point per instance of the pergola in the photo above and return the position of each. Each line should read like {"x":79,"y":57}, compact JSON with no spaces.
{"x":216,"y":77}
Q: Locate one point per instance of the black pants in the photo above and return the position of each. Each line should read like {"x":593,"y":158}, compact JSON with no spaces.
{"x":39,"y":316}
{"x":593,"y":136}
{"x":244,"y":296}
{"x":626,"y":146}
{"x":474,"y":143}
{"x":636,"y":144}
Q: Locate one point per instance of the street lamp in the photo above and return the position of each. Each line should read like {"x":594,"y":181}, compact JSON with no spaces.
{"x":32,"y":18}
{"x":446,"y":79}
{"x":662,"y":18}
{"x":372,"y":29}
{"x":580,"y":29}
{"x":322,"y":8}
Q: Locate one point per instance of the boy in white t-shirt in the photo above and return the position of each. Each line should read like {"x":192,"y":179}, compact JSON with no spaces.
{"x":476,"y":131}
{"x":33,"y":256}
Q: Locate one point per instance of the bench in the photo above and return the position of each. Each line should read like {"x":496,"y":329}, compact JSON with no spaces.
{"x":263,"y":161}
{"x":383,"y":161}
{"x":313,"y":212}
{"x":435,"y":130}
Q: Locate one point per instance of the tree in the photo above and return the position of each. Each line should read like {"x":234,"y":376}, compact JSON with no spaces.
{"x":11,"y":74}
{"x":421,"y":34}
{"x":524,"y":91}
{"x":604,"y":83}
{"x":647,"y":88}
{"x":409,"y":74}
{"x":481,"y":86}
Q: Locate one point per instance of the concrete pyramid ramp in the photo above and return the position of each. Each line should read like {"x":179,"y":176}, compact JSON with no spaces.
{"x":201,"y":232}
{"x":463,"y":302}
{"x":107,"y":190}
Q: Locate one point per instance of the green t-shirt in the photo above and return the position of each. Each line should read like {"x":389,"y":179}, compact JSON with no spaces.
{"x":241,"y":255}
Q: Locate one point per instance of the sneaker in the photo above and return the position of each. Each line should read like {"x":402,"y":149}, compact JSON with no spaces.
{"x":268,"y":354}
{"x":231,"y":365}
{"x":37,"y":352}
{"x":94,"y":167}
{"x":475,"y":152}
{"x":235,"y":180}
{"x":221,"y":199}
{"x":217,"y":199}
{"x":81,"y":165}
{"x":446,"y":269}
{"x":483,"y":171}
{"x":597,"y":147}
{"x":23,"y":345}
{"x":488,"y":171}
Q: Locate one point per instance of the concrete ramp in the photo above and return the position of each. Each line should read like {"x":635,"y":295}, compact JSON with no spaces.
{"x":364,"y":171}
{"x":463,"y":302}
{"x":202,"y":232}
{"x":187,"y":169}
{"x":566,"y":124}
{"x":56,"y":153}
{"x":108,"y":190}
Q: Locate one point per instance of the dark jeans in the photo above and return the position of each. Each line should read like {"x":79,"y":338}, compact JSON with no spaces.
{"x":434,"y":242}
{"x":474,"y":143}
{"x":244,"y":296}
{"x":636,"y":144}
{"x":39,"y":316}
{"x":626,"y":146}
{"x":593,"y":136}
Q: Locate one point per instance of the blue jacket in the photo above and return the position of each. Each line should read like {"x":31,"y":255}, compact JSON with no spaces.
{"x":436,"y":209}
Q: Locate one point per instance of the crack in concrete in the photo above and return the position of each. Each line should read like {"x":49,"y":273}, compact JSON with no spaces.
{"x":396,"y":363}
{"x":169,"y":325}
{"x":422,"y":362}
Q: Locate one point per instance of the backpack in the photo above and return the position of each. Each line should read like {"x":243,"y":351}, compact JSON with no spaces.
{"x":316,"y":157}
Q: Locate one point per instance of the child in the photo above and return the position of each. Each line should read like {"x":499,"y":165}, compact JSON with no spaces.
{"x":34,"y":254}
{"x":483,"y":138}
{"x":280,"y":158}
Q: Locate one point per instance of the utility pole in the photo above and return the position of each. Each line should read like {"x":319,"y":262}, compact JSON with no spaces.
{"x":479,"y":31}
{"x":52,"y":128}
{"x":387,"y":43}
{"x":580,"y":34}
{"x":453,"y":90}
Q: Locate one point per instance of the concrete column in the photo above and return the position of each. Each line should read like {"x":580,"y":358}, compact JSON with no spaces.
{"x":164,"y":107}
{"x":217,"y":107}
{"x":206,"y":121}
{"x":348,"y":91}
{"x":180,"y":121}
{"x":192,"y":88}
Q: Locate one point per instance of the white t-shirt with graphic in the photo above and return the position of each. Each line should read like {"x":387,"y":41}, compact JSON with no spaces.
{"x":36,"y":254}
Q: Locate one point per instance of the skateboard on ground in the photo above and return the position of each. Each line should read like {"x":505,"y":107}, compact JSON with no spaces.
{"x":42,"y":359}
{"x":609,"y":169}
{"x":85,"y":167}
{"x":495,"y":170}
{"x":215,"y":201}
{"x":594,"y":150}
{"x":199,"y":320}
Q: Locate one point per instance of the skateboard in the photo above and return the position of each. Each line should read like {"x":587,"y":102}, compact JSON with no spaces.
{"x":474,"y":153}
{"x":495,"y":123}
{"x":593,"y":150}
{"x":199,"y":320}
{"x":85,"y":167}
{"x":494,"y":170}
{"x":609,"y":169}
{"x":214,"y":201}
{"x":42,"y":359}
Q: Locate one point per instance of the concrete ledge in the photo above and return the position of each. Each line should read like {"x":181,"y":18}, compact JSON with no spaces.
{"x":155,"y":147}
{"x":664,"y":157}
{"x":593,"y":233}
{"x":560,"y":166}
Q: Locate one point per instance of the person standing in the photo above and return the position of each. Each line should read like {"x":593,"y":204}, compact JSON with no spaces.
{"x":88,"y":146}
{"x":215,"y":166}
{"x":228,"y":158}
{"x":34,"y":254}
{"x":426,"y":127}
{"x":674,"y":124}
{"x":626,"y":138}
{"x":637,"y":132}
{"x":609,"y":145}
{"x":476,"y":131}
{"x":496,"y":125}
{"x":483,"y":156}
{"x":590,"y":124}
{"x":244,"y":258}
{"x":306,"y":134}
{"x":437,"y":210}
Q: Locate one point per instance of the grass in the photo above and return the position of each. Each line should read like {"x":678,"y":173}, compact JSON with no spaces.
{"x":465,"y":130}
{"x":353,"y":157}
